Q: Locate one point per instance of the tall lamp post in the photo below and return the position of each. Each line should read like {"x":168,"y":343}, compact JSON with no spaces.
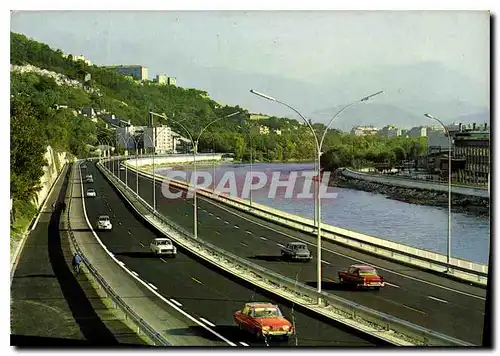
{"x":153,"y":143}
{"x":319,"y":144}
{"x":125,"y":141}
{"x":448,"y":269}
{"x":195,"y":151}
{"x":251,"y":158}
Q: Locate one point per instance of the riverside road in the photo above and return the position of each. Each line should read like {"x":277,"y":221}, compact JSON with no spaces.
{"x":373,"y":214}
{"x":440,"y":304}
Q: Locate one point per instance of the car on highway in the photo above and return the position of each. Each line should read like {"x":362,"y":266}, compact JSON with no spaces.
{"x":361,"y":276}
{"x":91,"y":192}
{"x":263,"y":320}
{"x":163,"y":246}
{"x":296,"y":251}
{"x":104,"y":223}
{"x":83,"y":166}
{"x":89,"y":178}
{"x":122,"y":168}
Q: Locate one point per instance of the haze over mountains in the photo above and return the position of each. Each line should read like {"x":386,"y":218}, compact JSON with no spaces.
{"x":409,"y":90}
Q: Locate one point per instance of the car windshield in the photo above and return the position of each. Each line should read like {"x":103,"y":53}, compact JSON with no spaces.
{"x":104,"y":218}
{"x":163,"y":242}
{"x":266,"y":313}
{"x":367,"y":272}
{"x":90,"y":190}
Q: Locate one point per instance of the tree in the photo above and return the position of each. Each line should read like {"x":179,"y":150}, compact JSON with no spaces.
{"x":27,"y":149}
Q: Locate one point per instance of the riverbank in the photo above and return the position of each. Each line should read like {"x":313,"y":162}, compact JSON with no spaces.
{"x":460,"y":203}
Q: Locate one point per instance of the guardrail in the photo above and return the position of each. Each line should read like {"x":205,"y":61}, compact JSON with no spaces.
{"x":141,"y":324}
{"x":382,"y":326}
{"x":460,"y":269}
{"x":413,"y":184}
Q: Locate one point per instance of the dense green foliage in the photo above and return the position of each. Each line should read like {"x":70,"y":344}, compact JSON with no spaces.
{"x":37,"y":122}
{"x":358,"y":152}
{"x":131,"y":100}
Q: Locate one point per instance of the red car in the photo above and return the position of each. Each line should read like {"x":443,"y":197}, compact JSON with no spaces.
{"x":263,"y":319}
{"x":362,"y":277}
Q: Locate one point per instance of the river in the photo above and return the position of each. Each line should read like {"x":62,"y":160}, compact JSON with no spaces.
{"x":373,"y":214}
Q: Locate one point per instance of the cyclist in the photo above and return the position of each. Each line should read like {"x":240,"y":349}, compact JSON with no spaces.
{"x":76,"y":263}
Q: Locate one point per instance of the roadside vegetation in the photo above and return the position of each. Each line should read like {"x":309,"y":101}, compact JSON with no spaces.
{"x":46,"y":111}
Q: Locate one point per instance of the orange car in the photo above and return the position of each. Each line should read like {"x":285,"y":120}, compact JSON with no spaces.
{"x":362,"y":277}
{"x":263,"y":319}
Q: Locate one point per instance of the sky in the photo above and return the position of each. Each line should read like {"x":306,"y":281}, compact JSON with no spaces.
{"x":312,"y":60}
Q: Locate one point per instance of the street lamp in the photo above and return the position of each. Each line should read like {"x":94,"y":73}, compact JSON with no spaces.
{"x":251,"y":158}
{"x":153,"y":143}
{"x":125,"y":141}
{"x":195,"y":151}
{"x":319,"y":145}
{"x":448,"y":269}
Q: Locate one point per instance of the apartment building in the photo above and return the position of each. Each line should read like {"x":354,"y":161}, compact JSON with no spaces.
{"x":419,"y":131}
{"x":389,"y":131}
{"x":364,"y":130}
{"x":136,"y":71}
{"x":163,"y":135}
{"x":258,"y":117}
{"x":474,"y":146}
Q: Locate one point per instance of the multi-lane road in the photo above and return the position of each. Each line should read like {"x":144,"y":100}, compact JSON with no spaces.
{"x":435,"y":302}
{"x":199,"y":289}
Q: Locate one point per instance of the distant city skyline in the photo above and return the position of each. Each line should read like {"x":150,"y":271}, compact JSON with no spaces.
{"x":316,"y":61}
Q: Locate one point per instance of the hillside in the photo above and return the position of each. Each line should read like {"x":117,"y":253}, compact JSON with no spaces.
{"x":48,"y":92}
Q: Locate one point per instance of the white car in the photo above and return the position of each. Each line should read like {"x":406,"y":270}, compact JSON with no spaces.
{"x":91,"y":192}
{"x":89,"y":178}
{"x":163,"y":246}
{"x":103,"y":223}
{"x":122,"y":168}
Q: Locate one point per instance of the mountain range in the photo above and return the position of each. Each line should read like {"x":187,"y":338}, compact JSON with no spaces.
{"x":410,"y":90}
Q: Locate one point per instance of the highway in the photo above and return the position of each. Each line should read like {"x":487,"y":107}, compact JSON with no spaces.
{"x":438,"y":303}
{"x":197,"y":288}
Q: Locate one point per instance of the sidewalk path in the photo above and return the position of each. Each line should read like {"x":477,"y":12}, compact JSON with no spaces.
{"x":49,"y":305}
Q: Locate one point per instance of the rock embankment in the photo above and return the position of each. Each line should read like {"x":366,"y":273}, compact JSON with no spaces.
{"x":460,"y":203}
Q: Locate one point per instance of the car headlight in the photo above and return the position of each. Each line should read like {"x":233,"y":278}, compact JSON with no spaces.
{"x":266,"y":327}
{"x":286,"y":328}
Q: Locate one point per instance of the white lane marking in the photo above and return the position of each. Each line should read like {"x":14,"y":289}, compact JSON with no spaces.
{"x":175,"y":302}
{"x":402,"y":305}
{"x":210,"y":214}
{"x":280,"y":245}
{"x":141,"y":244}
{"x":439,"y":300}
{"x":217,"y":232}
{"x":343,"y":255}
{"x":111,"y":254}
{"x":244,"y":244}
{"x":249,"y":232}
{"x":129,"y":232}
{"x":226,"y":222}
{"x":218,"y":218}
{"x":134,"y":273}
{"x":119,"y":223}
{"x":244,"y":343}
{"x":326,"y":263}
{"x":207,"y":322}
{"x":153,"y":286}
{"x":236,"y":227}
{"x":172,"y":305}
{"x":163,"y":260}
{"x":263,"y":238}
{"x":204,"y":211}
{"x":197,"y":281}
{"x":392,"y":285}
{"x":119,"y":262}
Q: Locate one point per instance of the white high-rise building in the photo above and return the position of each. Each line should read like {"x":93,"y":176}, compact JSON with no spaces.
{"x":163,"y":135}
